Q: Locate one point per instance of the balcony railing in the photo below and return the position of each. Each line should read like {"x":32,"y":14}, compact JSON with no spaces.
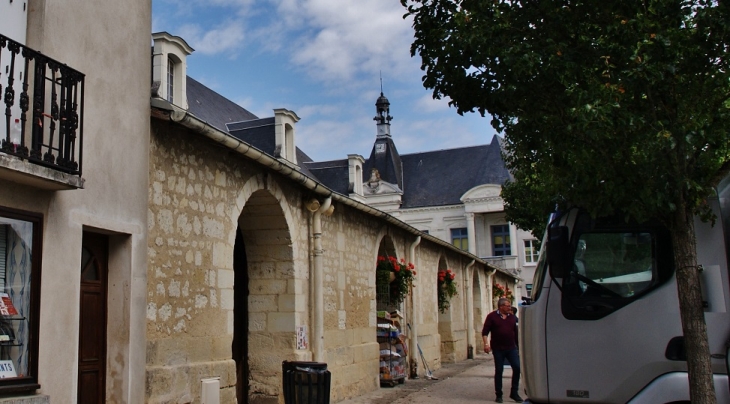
{"x":508,"y":263}
{"x":50,"y":131}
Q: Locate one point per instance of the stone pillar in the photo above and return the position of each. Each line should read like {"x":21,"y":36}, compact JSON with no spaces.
{"x":471,"y":233}
{"x":469,"y":296}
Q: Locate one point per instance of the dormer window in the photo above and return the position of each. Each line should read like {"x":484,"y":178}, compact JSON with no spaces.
{"x":355,"y":174}
{"x":170,"y":80}
{"x":284,"y":121}
{"x":169,"y":68}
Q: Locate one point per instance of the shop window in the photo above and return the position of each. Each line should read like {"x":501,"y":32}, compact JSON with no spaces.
{"x":20,"y":263}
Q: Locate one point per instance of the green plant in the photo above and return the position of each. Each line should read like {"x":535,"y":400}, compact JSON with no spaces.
{"x":446,"y":288}
{"x":499,"y":291}
{"x":403,"y":275}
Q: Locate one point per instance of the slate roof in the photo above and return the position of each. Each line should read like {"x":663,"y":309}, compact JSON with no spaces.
{"x":388,"y":163}
{"x":212,"y":107}
{"x":227,"y":116}
{"x":441,"y":177}
{"x":433,"y":178}
{"x":259,"y":133}
{"x":334,"y":174}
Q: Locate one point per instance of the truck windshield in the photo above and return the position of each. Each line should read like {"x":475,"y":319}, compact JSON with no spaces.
{"x":612,"y":264}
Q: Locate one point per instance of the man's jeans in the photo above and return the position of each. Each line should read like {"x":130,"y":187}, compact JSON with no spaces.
{"x":512,"y":356}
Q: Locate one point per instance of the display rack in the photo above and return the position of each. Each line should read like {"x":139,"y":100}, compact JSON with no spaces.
{"x":393,"y":351}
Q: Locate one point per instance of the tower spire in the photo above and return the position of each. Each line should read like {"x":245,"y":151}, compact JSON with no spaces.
{"x":382,"y":109}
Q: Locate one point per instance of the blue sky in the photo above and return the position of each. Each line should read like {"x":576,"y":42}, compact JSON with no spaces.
{"x":321,"y":59}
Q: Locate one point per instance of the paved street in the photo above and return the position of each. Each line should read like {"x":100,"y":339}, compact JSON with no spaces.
{"x":470,"y":381}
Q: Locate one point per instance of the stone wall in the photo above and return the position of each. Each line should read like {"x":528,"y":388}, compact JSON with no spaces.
{"x":200,"y":194}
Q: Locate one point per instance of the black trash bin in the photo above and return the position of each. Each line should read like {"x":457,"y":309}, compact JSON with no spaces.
{"x":306,"y":382}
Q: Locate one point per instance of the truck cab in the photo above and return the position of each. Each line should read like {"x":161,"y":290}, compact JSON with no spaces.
{"x":603,"y":323}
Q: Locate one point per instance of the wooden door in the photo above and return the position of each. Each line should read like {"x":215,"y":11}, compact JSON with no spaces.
{"x":92,"y":322}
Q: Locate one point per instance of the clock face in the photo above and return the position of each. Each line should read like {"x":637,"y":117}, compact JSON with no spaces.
{"x":380,"y":148}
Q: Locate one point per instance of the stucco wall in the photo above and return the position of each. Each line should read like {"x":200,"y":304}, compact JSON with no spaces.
{"x":113,"y":53}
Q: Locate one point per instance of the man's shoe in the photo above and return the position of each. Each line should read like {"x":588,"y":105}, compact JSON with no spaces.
{"x":516,"y":397}
{"x":499,"y":400}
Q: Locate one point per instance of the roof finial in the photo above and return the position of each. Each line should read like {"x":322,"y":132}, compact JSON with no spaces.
{"x":381,"y":82}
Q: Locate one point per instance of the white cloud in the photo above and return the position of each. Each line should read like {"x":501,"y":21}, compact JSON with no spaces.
{"x":317,"y":110}
{"x":350,"y":37}
{"x":334,"y":139}
{"x":227,"y":37}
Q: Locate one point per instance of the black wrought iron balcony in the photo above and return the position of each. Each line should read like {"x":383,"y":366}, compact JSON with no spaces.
{"x":44,"y":105}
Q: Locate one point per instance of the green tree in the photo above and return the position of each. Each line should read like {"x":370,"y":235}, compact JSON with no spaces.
{"x":617,"y":106}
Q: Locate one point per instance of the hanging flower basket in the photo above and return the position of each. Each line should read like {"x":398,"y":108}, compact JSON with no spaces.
{"x":396,"y":275}
{"x":499,"y":291}
{"x":446,"y":288}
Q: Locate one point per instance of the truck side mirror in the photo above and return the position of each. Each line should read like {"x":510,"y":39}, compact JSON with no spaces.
{"x":558,"y":251}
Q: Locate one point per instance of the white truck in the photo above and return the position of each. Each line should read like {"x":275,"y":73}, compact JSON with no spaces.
{"x":603,"y":324}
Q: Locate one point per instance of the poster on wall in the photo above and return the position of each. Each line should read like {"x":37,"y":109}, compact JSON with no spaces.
{"x":302,"y":342}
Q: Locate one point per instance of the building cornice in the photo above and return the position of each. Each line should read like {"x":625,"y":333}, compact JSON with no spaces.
{"x":432,"y":208}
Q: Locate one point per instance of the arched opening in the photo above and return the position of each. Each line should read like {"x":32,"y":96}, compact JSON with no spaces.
{"x":382,"y":287}
{"x":240,"y":317}
{"x":392,"y":287}
{"x":263,"y":312}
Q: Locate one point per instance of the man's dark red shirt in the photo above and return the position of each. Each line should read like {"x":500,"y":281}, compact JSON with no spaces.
{"x":503,"y":330}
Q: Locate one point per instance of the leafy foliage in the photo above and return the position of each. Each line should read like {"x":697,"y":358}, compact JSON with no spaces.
{"x":620,"y":107}
{"x":611,"y":105}
{"x":500,"y":291}
{"x":404,"y":275}
{"x":445,"y":288}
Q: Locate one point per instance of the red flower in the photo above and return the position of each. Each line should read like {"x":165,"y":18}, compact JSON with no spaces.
{"x":452,"y":276}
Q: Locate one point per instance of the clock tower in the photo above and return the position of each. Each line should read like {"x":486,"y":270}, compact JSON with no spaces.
{"x":382,"y":117}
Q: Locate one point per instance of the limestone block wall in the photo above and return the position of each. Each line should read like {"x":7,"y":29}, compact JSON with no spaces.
{"x":350,"y":242}
{"x":200,"y":194}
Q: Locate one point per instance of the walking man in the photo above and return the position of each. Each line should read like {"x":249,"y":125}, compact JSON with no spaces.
{"x":502,"y":324}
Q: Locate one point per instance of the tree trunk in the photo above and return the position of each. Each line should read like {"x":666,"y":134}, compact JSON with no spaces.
{"x":691,"y":311}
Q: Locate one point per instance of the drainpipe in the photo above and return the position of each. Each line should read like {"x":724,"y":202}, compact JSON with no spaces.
{"x":413,"y":340}
{"x":318,"y":275}
{"x":469,"y":296}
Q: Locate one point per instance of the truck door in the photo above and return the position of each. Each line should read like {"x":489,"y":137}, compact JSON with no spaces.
{"x":614,"y":325}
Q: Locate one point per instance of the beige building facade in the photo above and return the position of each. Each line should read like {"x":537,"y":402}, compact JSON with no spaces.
{"x":73,"y":200}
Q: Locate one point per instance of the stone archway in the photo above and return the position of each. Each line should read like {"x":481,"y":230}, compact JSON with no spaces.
{"x":385,"y":249}
{"x":264,"y":312}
